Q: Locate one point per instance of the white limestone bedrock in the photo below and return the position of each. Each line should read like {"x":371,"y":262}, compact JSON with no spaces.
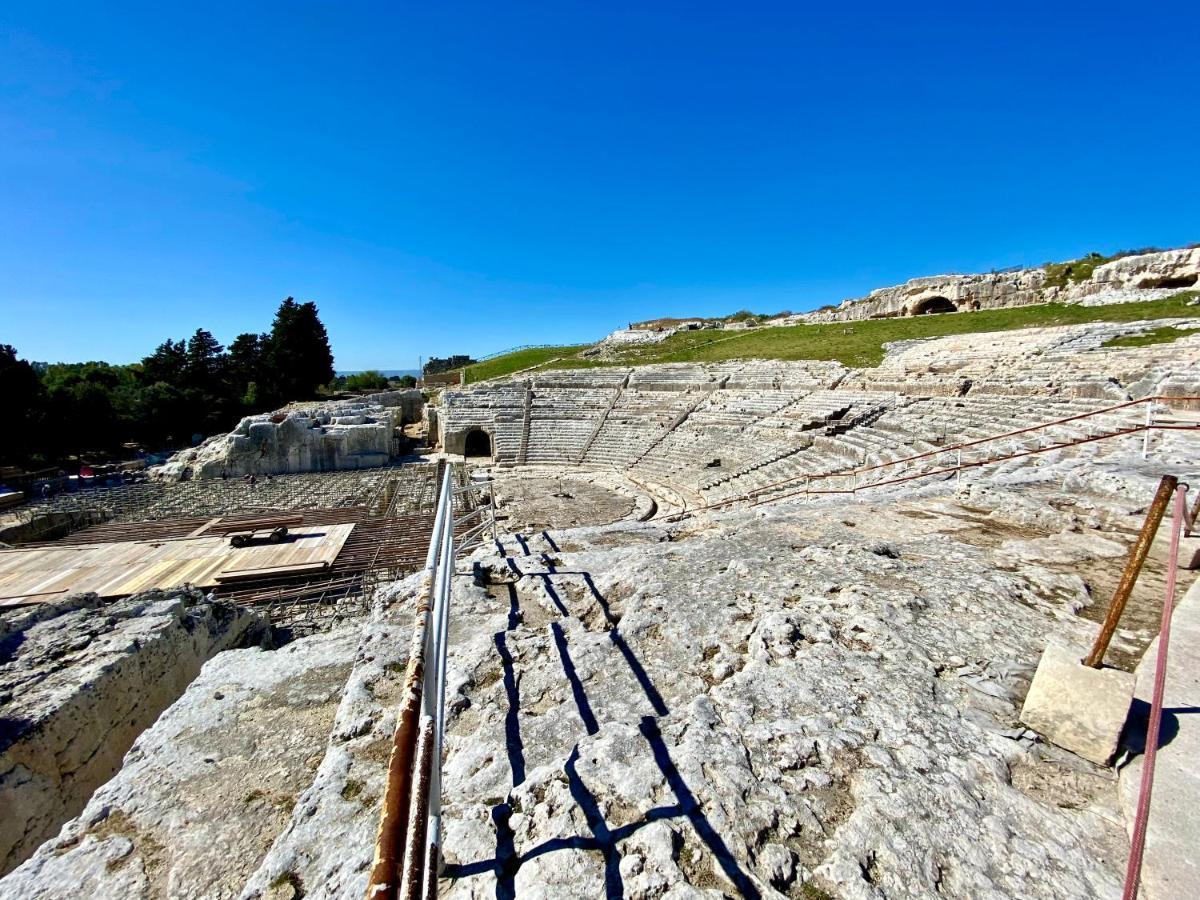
{"x":349,"y":434}
{"x":206,"y":789}
{"x":841,"y":706}
{"x":851,"y":724}
{"x":78,"y":682}
{"x":1127,"y":279}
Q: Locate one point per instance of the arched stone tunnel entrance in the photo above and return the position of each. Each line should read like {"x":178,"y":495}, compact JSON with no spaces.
{"x":928,"y":305}
{"x":478,"y":443}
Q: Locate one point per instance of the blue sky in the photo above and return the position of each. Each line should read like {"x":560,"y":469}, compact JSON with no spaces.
{"x":465,"y":177}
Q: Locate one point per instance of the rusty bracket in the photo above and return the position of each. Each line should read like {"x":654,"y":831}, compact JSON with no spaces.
{"x":1133,"y":567}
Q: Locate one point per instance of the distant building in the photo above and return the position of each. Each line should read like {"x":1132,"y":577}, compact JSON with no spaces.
{"x":437,"y":364}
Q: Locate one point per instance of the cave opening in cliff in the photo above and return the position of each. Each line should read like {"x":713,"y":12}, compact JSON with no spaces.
{"x":1169,"y":281}
{"x":934,"y":305}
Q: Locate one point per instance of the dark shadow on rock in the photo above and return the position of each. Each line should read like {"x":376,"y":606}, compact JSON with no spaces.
{"x":599,"y":597}
{"x":512,"y":716}
{"x":691,"y":808}
{"x":581,"y":700}
{"x":1133,"y":738}
{"x":553,"y":594}
{"x":613,"y":886}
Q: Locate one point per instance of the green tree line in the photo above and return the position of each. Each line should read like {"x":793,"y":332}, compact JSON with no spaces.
{"x":184,"y":388}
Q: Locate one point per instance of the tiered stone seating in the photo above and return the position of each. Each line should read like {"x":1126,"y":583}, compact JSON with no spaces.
{"x":723,"y":430}
{"x":562,"y":419}
{"x":500,"y":409}
{"x":639,"y":419}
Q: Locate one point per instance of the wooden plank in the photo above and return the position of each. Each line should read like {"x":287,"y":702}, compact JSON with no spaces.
{"x":5,"y":598}
{"x":203,"y":528}
{"x":244,"y":574}
{"x":125,"y":567}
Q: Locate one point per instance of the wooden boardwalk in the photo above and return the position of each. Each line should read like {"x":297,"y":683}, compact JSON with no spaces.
{"x":116,"y":569}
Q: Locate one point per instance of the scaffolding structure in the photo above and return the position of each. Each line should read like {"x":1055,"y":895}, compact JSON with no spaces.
{"x":392,"y":510}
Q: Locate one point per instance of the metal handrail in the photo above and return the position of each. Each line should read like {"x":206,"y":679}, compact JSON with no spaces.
{"x":854,"y":473}
{"x":407,"y":844}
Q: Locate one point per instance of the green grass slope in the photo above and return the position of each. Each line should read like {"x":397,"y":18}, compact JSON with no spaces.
{"x":518,"y":360}
{"x":851,"y":343}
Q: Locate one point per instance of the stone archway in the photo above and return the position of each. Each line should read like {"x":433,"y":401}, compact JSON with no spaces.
{"x":478,"y":443}
{"x":928,"y":305}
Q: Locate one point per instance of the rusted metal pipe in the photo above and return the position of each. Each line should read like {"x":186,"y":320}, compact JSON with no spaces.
{"x":1133,"y":566}
{"x":398,"y":798}
{"x":393,"y":813}
{"x":413,"y":867}
{"x":432,"y":860}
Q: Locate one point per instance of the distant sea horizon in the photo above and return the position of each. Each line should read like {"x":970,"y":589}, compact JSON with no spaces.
{"x":389,"y":373}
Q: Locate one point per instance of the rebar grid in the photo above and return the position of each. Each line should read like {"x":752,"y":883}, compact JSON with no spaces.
{"x":399,"y":489}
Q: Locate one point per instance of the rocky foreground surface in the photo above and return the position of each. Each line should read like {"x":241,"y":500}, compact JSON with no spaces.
{"x":79,"y":681}
{"x":800,"y":700}
{"x":203,"y":793}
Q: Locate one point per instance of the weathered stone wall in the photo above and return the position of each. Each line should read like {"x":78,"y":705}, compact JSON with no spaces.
{"x":79,"y":681}
{"x":409,"y":404}
{"x":204,"y":791}
{"x":352,"y":434}
{"x":1128,"y":278}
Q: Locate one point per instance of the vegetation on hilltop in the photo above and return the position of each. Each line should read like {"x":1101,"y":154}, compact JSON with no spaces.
{"x":519,"y":360}
{"x":851,"y":343}
{"x":1078,"y":270}
{"x":184,"y":388}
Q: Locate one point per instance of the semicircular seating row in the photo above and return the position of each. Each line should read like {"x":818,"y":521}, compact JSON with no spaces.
{"x":722,"y":431}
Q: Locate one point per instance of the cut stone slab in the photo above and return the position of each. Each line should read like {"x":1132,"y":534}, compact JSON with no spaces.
{"x":1189,"y":552}
{"x":1079,"y":708}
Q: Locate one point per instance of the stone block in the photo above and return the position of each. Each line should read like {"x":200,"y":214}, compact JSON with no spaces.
{"x":1076,"y":707}
{"x":1189,"y":552}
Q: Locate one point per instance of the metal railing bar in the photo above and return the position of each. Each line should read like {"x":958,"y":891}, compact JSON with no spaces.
{"x":853,"y":473}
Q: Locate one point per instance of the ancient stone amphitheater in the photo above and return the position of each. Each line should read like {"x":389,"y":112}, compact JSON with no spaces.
{"x":749,"y":629}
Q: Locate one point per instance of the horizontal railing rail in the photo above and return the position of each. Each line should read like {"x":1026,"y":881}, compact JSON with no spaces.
{"x":518,"y":349}
{"x":756,"y":495}
{"x":407,"y":844}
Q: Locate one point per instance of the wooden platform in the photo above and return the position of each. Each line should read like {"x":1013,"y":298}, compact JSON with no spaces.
{"x":116,"y":569}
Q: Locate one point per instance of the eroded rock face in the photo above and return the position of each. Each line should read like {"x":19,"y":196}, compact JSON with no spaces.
{"x":79,"y":681}
{"x":759,"y":702}
{"x":326,"y":848}
{"x":347,"y":435}
{"x":1141,"y":277}
{"x":205,"y":791}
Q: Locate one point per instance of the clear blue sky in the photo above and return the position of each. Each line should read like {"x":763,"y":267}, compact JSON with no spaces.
{"x":454,"y":177}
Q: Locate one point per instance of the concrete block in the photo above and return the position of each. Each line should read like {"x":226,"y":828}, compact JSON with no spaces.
{"x":1189,"y":552}
{"x":1076,"y":707}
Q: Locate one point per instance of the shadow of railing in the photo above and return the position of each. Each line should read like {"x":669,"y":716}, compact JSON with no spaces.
{"x":506,"y":862}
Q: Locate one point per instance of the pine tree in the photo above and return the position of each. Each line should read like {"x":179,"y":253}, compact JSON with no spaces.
{"x":22,"y":391}
{"x":297,"y":355}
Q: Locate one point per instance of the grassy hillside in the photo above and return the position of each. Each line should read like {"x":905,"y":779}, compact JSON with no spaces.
{"x":851,"y":343}
{"x":517,"y":361}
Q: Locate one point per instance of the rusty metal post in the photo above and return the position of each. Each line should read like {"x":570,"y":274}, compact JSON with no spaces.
{"x":413,"y":868}
{"x":1133,"y":566}
{"x":398,"y":797}
{"x":393,"y":813}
